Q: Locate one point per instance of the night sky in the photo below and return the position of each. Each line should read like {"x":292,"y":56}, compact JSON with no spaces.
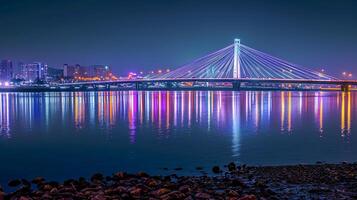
{"x":135,"y":35}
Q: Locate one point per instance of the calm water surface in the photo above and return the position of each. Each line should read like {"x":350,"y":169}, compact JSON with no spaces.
{"x":72,"y":134}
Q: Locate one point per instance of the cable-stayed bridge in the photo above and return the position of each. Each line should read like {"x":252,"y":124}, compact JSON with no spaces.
{"x":233,"y":65}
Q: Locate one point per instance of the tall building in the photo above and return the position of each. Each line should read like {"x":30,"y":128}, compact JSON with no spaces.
{"x":101,"y":71}
{"x":6,"y":70}
{"x":70,"y":71}
{"x":34,"y":71}
{"x":91,"y":73}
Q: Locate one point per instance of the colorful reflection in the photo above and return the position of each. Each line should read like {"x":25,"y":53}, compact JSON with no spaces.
{"x":167,"y":110}
{"x":346,"y":101}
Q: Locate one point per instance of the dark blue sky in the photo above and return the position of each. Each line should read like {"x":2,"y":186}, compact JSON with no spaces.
{"x":163,"y":33}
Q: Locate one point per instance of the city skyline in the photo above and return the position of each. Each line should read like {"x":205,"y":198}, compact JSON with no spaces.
{"x":136,"y":36}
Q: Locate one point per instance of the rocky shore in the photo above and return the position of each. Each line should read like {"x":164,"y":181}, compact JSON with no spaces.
{"x":319,"y":181}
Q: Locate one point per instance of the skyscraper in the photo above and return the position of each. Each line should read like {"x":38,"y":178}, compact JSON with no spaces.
{"x":36,"y":71}
{"x":6,"y":70}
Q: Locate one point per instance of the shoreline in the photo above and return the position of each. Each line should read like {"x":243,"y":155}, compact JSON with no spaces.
{"x":310,"y":181}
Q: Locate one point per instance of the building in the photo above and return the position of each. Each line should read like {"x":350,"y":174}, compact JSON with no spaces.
{"x":101,"y":71}
{"x":6,"y":70}
{"x":54,"y":74}
{"x":69,"y":71}
{"x":36,"y":71}
{"x":91,"y":73}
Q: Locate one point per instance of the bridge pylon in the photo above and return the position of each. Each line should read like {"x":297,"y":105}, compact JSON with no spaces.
{"x":236,"y":61}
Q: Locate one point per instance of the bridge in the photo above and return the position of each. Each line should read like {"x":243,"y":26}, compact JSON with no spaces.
{"x":232,"y":67}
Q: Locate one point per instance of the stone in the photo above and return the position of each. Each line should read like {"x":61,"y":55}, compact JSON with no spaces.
{"x":135,"y":191}
{"x":232,"y":167}
{"x":152,"y":183}
{"x":248,"y":197}
{"x":38,"y":180}
{"x":232,"y":193}
{"x":185,"y":189}
{"x":97,"y":177}
{"x":202,"y":195}
{"x":173,"y":195}
{"x":47,"y":187}
{"x":161,"y":192}
{"x":26,"y":183}
{"x":99,"y":197}
{"x":14,"y":183}
{"x":216,"y":169}
{"x":143,"y":174}
{"x":2,"y":195}
{"x":120,"y":175}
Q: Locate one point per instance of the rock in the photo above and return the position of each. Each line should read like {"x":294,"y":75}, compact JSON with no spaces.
{"x":24,"y":198}
{"x":97,"y":177}
{"x":232,"y":167}
{"x":120,"y":175}
{"x":216,"y":169}
{"x":14,"y":183}
{"x":236,"y":182}
{"x":125,"y":196}
{"x":260,"y":184}
{"x":248,"y":197}
{"x":53,"y":190}
{"x":47,"y":187}
{"x":135,"y":191}
{"x":2,"y":195}
{"x":99,"y":197}
{"x":232,"y":193}
{"x":46,"y":196}
{"x":173,"y":195}
{"x":199,"y":168}
{"x":53,"y":183}
{"x":26,"y":183}
{"x":69,"y":182}
{"x":143,"y":174}
{"x":178,"y":168}
{"x":152,"y":183}
{"x":120,"y":189}
{"x":161,"y":192}
{"x":202,"y":195}
{"x":38,"y":180}
{"x":185,"y":189}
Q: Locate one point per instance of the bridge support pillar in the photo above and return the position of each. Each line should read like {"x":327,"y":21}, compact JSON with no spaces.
{"x":137,"y":86}
{"x":236,"y":59}
{"x":236,"y":85}
{"x":345,"y":88}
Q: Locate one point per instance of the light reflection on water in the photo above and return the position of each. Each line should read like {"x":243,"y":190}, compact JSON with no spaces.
{"x":159,"y":127}
{"x":175,"y":109}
